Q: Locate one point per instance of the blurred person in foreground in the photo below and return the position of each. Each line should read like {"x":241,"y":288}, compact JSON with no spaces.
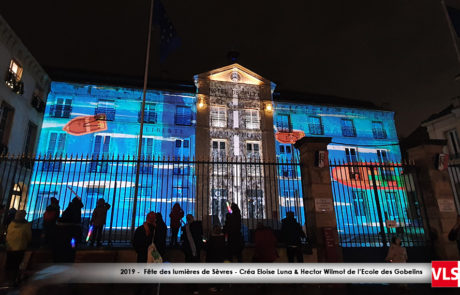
{"x":192,"y":234}
{"x":265,"y":244}
{"x":18,"y":237}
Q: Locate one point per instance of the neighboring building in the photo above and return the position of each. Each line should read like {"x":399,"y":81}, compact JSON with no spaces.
{"x":23,"y":94}
{"x":231,"y":120}
{"x":445,"y":125}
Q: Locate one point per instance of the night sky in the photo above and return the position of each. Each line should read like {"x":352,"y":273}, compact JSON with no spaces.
{"x":392,"y":52}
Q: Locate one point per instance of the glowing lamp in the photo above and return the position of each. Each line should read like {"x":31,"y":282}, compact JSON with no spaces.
{"x":201,"y":103}
{"x":269,"y":107}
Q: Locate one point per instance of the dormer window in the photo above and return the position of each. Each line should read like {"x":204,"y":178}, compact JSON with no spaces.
{"x":13,"y":77}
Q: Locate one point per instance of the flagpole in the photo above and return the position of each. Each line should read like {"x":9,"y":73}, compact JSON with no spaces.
{"x":141,"y":131}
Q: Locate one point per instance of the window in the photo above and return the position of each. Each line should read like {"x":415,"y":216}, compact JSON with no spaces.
{"x":100,"y":149}
{"x":180,"y":194}
{"x":218,"y":116}
{"x":255,"y":203}
{"x":61,"y":108}
{"x":360,"y":204}
{"x":352,"y":158}
{"x":452,"y":141}
{"x":219,"y":205}
{"x":386,"y":172}
{"x":253,"y":150}
{"x":283,"y":123}
{"x":107,"y":107}
{"x":251,"y":119}
{"x":183,"y":116}
{"x":315,"y":126}
{"x":13,"y":77}
{"x":29,"y":147}
{"x":6,"y":122}
{"x":285,"y":149}
{"x":95,"y":190}
{"x":391,"y":211}
{"x":148,"y":155}
{"x":181,"y":152}
{"x":56,"y":146}
{"x":378,"y":131}
{"x":218,"y":148}
{"x":348,"y":129}
{"x":150,"y":114}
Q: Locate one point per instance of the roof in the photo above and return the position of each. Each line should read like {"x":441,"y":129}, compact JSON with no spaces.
{"x":442,"y":113}
{"x":84,"y":77}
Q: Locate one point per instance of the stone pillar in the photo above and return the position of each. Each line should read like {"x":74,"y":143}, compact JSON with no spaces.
{"x":318,"y":200}
{"x":438,"y":198}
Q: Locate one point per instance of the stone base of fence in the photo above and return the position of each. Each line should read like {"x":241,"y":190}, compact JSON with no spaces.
{"x":41,"y":257}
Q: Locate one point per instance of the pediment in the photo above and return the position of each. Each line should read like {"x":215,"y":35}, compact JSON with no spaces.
{"x":234,"y":73}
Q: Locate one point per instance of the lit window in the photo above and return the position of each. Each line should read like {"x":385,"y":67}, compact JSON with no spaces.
{"x":183,"y":116}
{"x":16,"y":70}
{"x":283,"y":123}
{"x":150,"y":114}
{"x":378,"y":131}
{"x":348,"y":129}
{"x":251,"y":119}
{"x":13,"y":77}
{"x":218,"y":116}
{"x":62,"y":108}
{"x":314,"y":125}
{"x":253,"y":150}
{"x":218,"y":148}
{"x":107,"y":107}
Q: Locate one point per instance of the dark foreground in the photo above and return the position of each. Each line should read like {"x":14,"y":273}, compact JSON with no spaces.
{"x":226,"y":289}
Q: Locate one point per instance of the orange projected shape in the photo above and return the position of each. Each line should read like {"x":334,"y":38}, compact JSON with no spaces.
{"x":289,"y":137}
{"x":86,"y":124}
{"x":359,"y":176}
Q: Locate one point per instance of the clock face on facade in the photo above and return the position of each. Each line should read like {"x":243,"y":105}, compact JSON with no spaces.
{"x":235,"y":76}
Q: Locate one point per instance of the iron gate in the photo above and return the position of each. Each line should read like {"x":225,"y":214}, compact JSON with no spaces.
{"x":376,"y":201}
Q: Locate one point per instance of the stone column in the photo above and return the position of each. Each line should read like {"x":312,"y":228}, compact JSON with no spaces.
{"x":318,"y":200}
{"x":438,"y":198}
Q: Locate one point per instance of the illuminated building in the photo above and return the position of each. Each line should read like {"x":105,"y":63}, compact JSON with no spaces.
{"x":232,"y":113}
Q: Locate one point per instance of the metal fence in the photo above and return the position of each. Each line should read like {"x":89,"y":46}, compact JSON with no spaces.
{"x":376,"y":201}
{"x":264,"y":192}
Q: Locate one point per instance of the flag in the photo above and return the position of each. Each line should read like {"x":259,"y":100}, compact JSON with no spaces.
{"x":454,"y":15}
{"x":169,"y":41}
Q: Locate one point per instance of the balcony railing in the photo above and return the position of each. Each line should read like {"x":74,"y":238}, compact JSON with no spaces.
{"x":11,"y":80}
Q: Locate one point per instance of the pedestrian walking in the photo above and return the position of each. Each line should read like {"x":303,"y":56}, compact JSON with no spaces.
{"x":160,"y":235}
{"x":98,"y":220}
{"x":176,"y":216}
{"x":291,"y":235}
{"x":265,"y":244}
{"x":192,"y":234}
{"x":18,"y":237}
{"x":232,"y":229}
{"x":143,"y":237}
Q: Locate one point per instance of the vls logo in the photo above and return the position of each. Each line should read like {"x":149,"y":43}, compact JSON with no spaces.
{"x":445,"y":274}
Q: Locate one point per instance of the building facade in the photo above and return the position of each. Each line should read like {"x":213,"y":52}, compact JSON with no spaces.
{"x":23,"y":95}
{"x":229,"y":141}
